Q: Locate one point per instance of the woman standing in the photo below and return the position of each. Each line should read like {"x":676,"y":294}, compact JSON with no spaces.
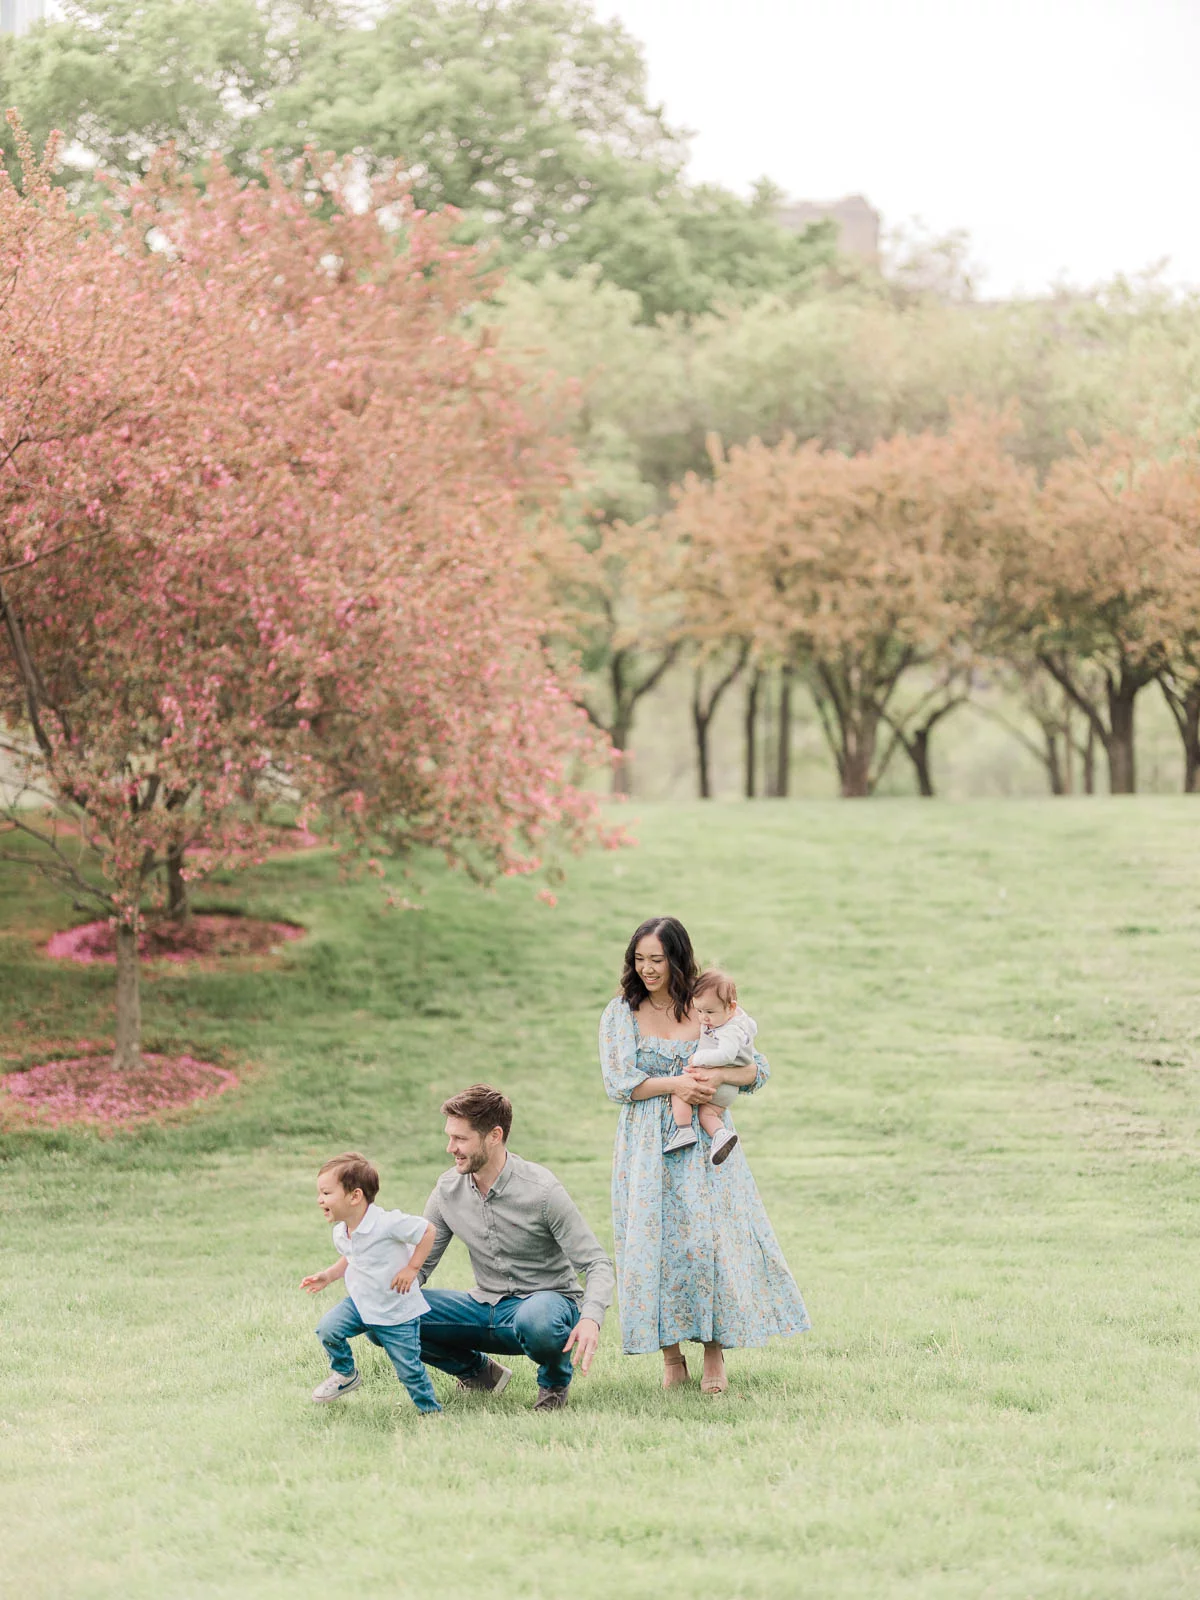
{"x":696,"y":1256}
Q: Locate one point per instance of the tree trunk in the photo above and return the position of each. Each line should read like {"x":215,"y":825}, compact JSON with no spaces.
{"x":783,"y":765}
{"x":917,"y":744}
{"x":1122,"y":776}
{"x":1059,"y":782}
{"x":1190,"y":733}
{"x":179,"y":906}
{"x":750,"y":724}
{"x":855,"y":775}
{"x":856,"y":758}
{"x":766,"y":734}
{"x":626,"y":690}
{"x":700,"y":722}
{"x":128,"y":1052}
{"x":1183,"y":702}
{"x":622,"y":776}
{"x":704,"y":710}
{"x":1123,"y":682}
{"x":1089,"y":761}
{"x":918,"y":754}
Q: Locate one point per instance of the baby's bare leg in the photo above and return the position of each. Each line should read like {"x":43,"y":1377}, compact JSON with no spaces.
{"x":711,"y":1120}
{"x":682,"y":1112}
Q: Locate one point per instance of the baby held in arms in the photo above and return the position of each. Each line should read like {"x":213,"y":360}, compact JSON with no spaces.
{"x":726,"y":1040}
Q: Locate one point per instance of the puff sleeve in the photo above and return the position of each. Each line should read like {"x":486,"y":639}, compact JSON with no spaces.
{"x":618,"y":1052}
{"x":761,"y":1073}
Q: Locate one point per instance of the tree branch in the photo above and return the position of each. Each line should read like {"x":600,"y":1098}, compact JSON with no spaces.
{"x":1063,"y":678}
{"x":44,"y":555}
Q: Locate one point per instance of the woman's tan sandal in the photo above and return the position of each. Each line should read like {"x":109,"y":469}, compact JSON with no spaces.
{"x":675,"y":1372}
{"x":714,"y":1383}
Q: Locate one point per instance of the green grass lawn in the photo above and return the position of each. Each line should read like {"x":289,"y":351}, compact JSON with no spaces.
{"x":978,"y":1148}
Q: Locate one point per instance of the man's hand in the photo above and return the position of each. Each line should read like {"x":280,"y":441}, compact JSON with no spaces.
{"x":404,"y":1279}
{"x":316,"y":1281}
{"x":582,"y":1341}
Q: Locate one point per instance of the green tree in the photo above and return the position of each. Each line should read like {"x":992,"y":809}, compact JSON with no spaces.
{"x":687,"y":250}
{"x":531,"y":117}
{"x":121,"y":78}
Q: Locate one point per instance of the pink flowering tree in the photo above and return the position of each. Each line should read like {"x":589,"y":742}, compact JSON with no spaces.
{"x":263,"y":515}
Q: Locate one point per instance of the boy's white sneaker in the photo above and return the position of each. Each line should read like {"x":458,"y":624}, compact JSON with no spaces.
{"x":681,"y":1139}
{"x":722,"y":1145}
{"x":335,"y":1386}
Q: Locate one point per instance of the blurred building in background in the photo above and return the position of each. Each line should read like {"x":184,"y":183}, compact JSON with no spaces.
{"x":857,"y":222}
{"x":18,"y":15}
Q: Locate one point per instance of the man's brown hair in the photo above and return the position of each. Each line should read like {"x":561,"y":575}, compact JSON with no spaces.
{"x":483,"y":1107}
{"x":714,"y":978}
{"x":353,"y":1171}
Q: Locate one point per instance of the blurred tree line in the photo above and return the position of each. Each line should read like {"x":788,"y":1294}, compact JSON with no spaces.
{"x":795,"y":473}
{"x":1099,"y":389}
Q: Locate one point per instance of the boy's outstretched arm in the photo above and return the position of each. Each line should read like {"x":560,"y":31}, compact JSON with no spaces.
{"x":407,"y":1276}
{"x":316,"y":1281}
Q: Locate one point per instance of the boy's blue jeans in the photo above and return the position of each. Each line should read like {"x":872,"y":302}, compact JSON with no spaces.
{"x":457,"y":1330}
{"x":401,"y":1341}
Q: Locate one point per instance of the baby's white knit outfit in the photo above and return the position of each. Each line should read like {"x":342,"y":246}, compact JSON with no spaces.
{"x":730,"y":1045}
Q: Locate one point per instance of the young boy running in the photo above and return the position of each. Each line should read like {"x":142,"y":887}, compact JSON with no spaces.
{"x":380,"y":1254}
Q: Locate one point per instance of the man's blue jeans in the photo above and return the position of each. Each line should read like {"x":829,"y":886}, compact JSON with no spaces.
{"x":456,"y":1331}
{"x":401,"y":1341}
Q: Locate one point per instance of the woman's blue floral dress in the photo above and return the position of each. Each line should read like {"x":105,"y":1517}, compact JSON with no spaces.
{"x":696,"y":1256}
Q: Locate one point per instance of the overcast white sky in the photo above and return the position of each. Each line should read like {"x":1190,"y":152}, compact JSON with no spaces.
{"x":1062,"y":134}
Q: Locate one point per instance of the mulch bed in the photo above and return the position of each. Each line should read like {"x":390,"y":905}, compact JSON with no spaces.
{"x":203,"y":937}
{"x":88,"y":1090}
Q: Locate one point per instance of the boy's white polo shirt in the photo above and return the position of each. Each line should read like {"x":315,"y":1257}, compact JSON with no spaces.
{"x":382,"y":1243}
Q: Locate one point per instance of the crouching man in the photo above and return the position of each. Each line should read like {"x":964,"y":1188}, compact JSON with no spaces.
{"x":528,"y":1246}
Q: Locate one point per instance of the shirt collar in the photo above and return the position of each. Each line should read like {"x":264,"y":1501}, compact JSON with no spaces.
{"x":369,"y":1218}
{"x":502,"y":1177}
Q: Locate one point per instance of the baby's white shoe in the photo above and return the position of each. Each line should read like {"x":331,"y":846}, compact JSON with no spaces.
{"x":681,"y":1139}
{"x":722,"y":1145}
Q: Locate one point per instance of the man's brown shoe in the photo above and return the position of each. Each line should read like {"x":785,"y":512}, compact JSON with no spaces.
{"x":551,"y":1400}
{"x":491,"y":1378}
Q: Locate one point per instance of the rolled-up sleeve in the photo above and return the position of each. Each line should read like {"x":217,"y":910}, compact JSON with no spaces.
{"x":443,"y":1233}
{"x":583,"y":1250}
{"x":618,"y":1052}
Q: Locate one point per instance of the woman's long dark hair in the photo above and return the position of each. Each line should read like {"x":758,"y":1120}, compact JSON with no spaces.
{"x":682,"y":970}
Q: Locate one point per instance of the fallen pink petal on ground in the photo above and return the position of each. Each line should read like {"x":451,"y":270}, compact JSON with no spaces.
{"x":89,"y":1089}
{"x":205,"y":936}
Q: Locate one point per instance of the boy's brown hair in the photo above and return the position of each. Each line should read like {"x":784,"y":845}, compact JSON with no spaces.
{"x":353,"y":1171}
{"x":483,"y":1107}
{"x":712,"y":978}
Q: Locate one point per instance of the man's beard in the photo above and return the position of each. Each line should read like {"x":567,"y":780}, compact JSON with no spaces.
{"x":476,"y":1162}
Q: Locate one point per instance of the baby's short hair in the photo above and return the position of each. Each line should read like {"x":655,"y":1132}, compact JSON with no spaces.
{"x":353,"y":1171}
{"x":712,"y":978}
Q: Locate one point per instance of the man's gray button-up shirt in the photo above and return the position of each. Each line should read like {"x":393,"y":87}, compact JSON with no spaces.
{"x":525,"y":1234}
